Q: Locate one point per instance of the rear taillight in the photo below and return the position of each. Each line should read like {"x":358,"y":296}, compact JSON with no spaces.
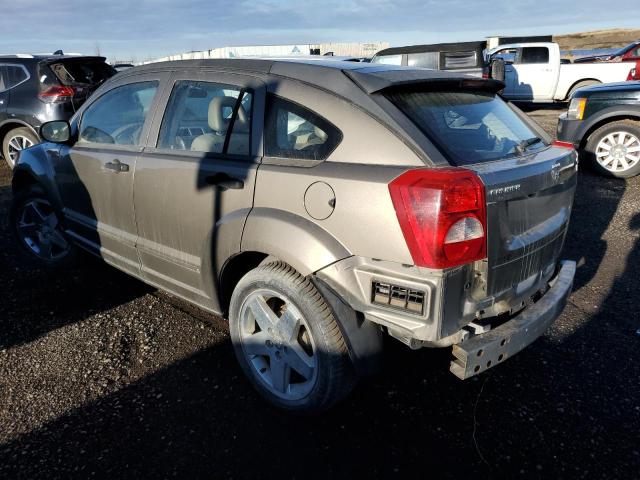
{"x":634,"y":74}
{"x":442,"y":214}
{"x":560,"y":144}
{"x":57,"y":94}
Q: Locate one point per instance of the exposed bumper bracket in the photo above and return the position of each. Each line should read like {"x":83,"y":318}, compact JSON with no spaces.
{"x":484,"y":351}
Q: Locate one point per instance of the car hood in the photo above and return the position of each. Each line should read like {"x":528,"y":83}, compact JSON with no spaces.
{"x":631,"y":88}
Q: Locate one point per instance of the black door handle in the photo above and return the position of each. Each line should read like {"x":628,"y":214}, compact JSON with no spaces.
{"x":117,"y":166}
{"x":224,"y":181}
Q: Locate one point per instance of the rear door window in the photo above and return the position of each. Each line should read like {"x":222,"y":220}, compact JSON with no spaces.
{"x":11,"y":76}
{"x":292,"y":131}
{"x":468,"y":127}
{"x":199,"y":116}
{"x":534,"y":55}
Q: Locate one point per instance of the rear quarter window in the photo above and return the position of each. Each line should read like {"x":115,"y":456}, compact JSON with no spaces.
{"x":293,"y":131}
{"x":468,"y":127}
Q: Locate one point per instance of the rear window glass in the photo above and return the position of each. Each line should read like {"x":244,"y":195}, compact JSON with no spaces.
{"x":74,"y":72}
{"x":468,"y":127}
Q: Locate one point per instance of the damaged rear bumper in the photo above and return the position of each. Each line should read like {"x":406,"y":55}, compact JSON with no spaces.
{"x":484,"y":351}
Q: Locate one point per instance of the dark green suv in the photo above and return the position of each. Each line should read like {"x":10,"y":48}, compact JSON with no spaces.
{"x":603,"y":123}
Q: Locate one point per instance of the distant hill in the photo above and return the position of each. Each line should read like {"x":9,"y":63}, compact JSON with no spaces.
{"x":613,"y":38}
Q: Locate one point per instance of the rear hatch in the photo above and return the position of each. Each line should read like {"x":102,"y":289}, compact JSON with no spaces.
{"x":82,"y":74}
{"x":529,"y":184}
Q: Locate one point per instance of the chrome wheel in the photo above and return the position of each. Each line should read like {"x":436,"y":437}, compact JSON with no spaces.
{"x":618,"y":151}
{"x":39,"y":229}
{"x":276,"y":340}
{"x":16,"y":144}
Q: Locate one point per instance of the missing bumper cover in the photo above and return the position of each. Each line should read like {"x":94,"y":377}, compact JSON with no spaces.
{"x":484,"y":351}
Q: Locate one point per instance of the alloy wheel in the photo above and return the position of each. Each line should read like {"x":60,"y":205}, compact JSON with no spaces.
{"x":277,"y":342}
{"x":15,"y":146}
{"x":39,"y":229}
{"x":618,"y":151}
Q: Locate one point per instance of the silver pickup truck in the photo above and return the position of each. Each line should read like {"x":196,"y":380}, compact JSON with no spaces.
{"x":319,"y":206}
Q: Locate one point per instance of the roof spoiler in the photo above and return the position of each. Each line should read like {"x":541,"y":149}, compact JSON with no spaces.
{"x":375,"y":80}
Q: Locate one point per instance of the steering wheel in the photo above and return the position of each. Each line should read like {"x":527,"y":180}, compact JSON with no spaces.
{"x":95,"y":135}
{"x":132,"y":131}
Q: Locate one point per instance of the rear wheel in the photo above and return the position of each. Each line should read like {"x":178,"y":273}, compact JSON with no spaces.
{"x":614,"y":149}
{"x":287,"y":340}
{"x":15,"y":141}
{"x":37,"y":229}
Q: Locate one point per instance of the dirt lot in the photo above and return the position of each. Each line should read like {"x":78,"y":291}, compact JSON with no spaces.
{"x":612,"y":38}
{"x":101,"y":376}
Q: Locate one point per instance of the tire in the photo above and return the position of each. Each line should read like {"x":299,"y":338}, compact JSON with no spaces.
{"x":625,"y":162}
{"x":585,"y":83}
{"x":35,"y":224}
{"x":15,"y":140}
{"x":298,"y":327}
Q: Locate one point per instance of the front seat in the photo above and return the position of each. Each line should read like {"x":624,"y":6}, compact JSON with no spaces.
{"x":214,"y":142}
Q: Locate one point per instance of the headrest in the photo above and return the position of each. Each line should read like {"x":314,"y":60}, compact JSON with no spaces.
{"x":321,"y":134}
{"x":217,"y":120}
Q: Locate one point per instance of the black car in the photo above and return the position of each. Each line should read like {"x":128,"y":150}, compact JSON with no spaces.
{"x":35,"y":89}
{"x":603,"y":123}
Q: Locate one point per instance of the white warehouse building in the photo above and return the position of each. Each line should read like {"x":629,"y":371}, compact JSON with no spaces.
{"x":337,"y":49}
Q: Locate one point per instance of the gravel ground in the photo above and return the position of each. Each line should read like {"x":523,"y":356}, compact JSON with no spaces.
{"x":101,"y":375}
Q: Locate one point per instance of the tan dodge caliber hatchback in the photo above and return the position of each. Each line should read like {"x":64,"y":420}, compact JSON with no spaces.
{"x":319,"y":205}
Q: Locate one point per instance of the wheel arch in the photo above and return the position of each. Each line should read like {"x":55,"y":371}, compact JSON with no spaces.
{"x":593,"y":81}
{"x":8,"y":125}
{"x":35,"y":169}
{"x":603,"y":120}
{"x":276,"y":235}
{"x":295,"y":240}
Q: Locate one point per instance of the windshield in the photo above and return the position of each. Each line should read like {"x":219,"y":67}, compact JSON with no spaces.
{"x":468,"y":127}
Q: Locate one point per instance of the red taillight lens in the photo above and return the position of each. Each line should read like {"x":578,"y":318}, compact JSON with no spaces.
{"x":560,"y":144}
{"x":55,"y":94}
{"x":442,"y":214}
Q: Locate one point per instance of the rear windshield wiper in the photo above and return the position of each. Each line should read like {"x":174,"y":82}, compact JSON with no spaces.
{"x":523,"y":145}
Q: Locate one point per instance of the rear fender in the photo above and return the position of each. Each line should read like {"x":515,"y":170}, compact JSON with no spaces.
{"x":295,"y":240}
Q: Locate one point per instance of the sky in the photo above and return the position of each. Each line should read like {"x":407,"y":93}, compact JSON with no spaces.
{"x":145,"y":29}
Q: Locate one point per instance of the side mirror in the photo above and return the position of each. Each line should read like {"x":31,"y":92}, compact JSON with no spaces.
{"x":56,"y":132}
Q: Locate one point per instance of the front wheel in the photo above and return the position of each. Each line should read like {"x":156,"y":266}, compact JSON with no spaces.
{"x":287,"y":340}
{"x":37,"y":228}
{"x":614,"y":149}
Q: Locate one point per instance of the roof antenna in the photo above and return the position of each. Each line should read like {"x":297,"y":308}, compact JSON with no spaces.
{"x":58,"y":52}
